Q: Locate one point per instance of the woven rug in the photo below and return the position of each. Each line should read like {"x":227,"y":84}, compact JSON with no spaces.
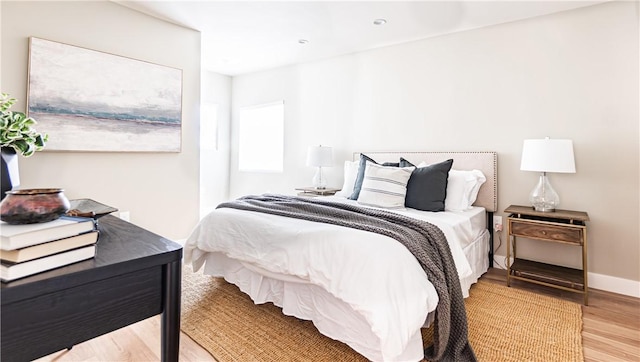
{"x":505,"y":324}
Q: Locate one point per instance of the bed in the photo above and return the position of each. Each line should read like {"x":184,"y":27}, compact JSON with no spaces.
{"x":361,"y":288}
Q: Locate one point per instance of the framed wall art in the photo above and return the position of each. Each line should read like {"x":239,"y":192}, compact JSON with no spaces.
{"x":88,"y":100}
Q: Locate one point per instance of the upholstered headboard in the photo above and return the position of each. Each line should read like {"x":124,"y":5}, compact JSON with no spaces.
{"x":487,"y":162}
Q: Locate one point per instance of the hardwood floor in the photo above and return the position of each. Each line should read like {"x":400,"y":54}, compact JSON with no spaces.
{"x":136,"y":343}
{"x":611,"y":331}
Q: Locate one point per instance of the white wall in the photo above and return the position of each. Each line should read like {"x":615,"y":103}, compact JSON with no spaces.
{"x":568,"y":75}
{"x":159,"y":189}
{"x":214,"y":163}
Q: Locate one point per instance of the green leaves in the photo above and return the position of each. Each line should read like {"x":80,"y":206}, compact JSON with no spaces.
{"x":16,"y":129}
{"x":6,"y":102}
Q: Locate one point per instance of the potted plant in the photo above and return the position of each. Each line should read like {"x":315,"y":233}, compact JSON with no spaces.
{"x":17,"y":136}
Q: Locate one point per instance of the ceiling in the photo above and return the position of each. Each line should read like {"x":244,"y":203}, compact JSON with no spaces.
{"x":246,"y":36}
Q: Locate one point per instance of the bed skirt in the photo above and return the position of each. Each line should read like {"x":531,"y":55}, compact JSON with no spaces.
{"x":331,"y":316}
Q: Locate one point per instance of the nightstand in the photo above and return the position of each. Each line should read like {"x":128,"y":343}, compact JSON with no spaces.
{"x":313,"y":192}
{"x":561,"y":226}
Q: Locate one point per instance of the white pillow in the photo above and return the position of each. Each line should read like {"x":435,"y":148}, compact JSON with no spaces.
{"x":384,"y":186}
{"x":462,"y":189}
{"x":350,"y":174}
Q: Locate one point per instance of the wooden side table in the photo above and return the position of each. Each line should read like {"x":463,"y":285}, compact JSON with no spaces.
{"x":312,"y":191}
{"x":561,"y":226}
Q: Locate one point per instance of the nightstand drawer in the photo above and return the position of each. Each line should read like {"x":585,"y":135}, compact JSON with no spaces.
{"x":572,"y":235}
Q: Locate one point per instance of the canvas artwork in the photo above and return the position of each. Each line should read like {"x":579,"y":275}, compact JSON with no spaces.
{"x":88,"y":100}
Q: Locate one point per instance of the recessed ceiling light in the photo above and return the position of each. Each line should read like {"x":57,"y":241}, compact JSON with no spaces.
{"x":303,"y":41}
{"x":379,"y":21}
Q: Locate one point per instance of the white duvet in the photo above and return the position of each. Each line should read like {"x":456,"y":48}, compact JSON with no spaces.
{"x":373,"y":274}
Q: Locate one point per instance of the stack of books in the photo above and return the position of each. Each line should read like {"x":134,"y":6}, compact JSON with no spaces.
{"x":34,"y":248}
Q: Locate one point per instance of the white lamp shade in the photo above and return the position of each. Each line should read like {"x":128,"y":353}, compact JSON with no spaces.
{"x":548,"y":155}
{"x":319,"y":156}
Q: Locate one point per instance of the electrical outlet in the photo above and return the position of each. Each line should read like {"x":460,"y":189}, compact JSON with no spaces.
{"x":497,"y":223}
{"x":125,"y":215}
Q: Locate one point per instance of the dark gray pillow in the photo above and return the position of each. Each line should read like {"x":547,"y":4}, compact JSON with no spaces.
{"x":357,"y":186}
{"x":405,"y":163}
{"x":427,"y":187}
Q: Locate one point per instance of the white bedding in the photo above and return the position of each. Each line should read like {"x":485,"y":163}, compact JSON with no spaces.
{"x":364,"y":289}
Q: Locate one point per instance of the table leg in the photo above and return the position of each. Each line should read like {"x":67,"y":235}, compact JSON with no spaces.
{"x":171,"y":312}
{"x":509,"y":241}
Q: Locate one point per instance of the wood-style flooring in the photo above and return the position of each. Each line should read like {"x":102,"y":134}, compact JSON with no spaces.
{"x":611,"y":331}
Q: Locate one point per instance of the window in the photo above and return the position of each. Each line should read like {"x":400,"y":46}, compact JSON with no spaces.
{"x":261,"y":146}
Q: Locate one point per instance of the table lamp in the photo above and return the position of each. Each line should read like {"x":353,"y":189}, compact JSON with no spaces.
{"x":547,"y":155}
{"x":319,"y":156}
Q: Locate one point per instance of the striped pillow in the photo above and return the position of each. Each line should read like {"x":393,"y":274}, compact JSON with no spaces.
{"x":384,"y":186}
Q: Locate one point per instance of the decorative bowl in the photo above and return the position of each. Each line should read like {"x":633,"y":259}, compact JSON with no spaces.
{"x":30,"y":206}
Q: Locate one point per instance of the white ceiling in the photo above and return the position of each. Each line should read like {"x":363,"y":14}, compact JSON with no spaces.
{"x":246,"y":36}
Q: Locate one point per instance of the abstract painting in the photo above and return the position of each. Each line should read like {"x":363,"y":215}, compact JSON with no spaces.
{"x":88,"y":100}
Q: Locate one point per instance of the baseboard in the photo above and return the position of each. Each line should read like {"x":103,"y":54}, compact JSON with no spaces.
{"x":596,"y":281}
{"x":614,"y":284}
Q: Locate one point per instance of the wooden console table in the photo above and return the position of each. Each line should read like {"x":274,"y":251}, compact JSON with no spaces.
{"x":135,"y":275}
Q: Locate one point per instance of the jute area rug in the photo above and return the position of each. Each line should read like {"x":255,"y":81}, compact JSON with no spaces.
{"x":505,"y":324}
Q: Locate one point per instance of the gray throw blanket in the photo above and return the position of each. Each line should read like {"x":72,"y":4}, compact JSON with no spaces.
{"x":426,"y":241}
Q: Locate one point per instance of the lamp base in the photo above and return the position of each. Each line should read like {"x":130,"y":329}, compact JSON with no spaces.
{"x":543,"y":208}
{"x":543,"y":197}
{"x":319,"y":182}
